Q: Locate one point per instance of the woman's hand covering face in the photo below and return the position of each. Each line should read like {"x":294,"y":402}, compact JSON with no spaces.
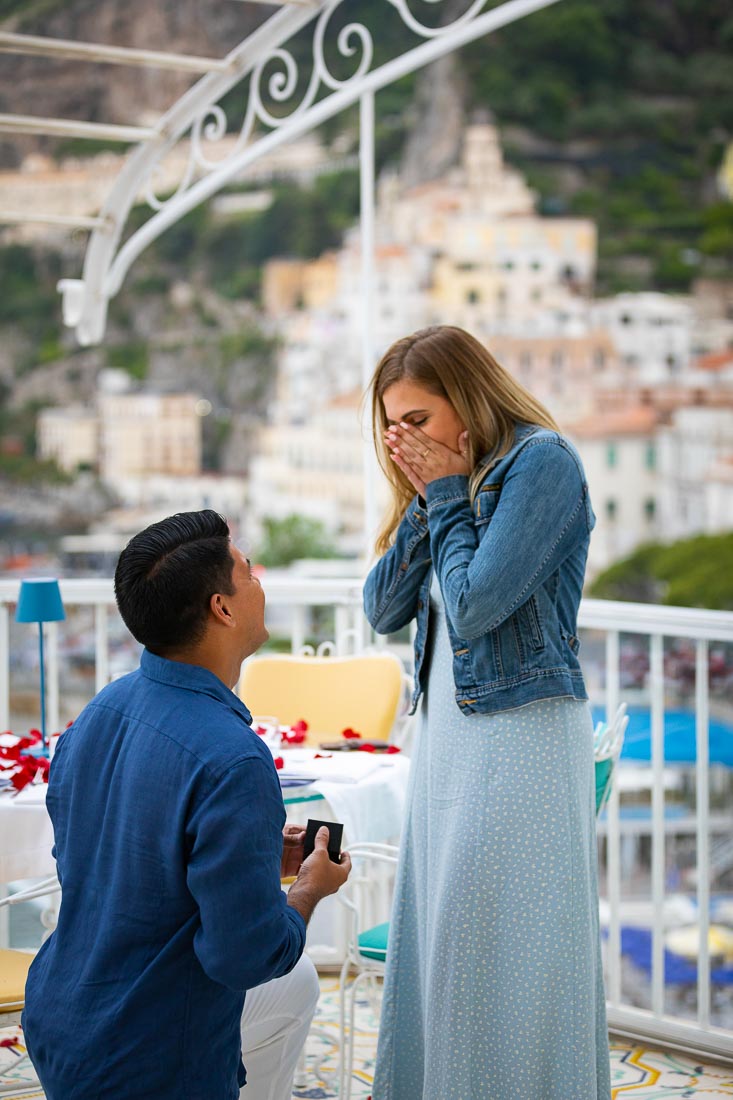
{"x":423,"y":459}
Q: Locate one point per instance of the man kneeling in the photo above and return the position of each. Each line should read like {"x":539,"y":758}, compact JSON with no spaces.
{"x":170,"y":845}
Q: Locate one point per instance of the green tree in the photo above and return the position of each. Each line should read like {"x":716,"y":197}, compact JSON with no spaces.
{"x":132,"y":357}
{"x":694,"y":572}
{"x":295,"y":537}
{"x":717,"y":238}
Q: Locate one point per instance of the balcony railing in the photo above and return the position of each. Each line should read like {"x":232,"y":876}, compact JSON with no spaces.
{"x":631,"y":652}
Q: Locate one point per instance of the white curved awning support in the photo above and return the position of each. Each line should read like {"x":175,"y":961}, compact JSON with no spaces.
{"x":90,"y":295}
{"x":198,"y":117}
{"x":69,"y":127}
{"x":68,"y":50}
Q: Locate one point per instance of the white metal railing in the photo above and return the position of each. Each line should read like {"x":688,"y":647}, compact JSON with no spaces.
{"x":298,"y":596}
{"x":658,"y":623}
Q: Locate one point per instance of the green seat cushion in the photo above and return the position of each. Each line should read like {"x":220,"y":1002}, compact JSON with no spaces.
{"x":373,"y":942}
{"x":603,"y":778}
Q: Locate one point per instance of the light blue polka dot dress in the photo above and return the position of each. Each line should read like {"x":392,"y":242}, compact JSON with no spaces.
{"x":494,"y":987}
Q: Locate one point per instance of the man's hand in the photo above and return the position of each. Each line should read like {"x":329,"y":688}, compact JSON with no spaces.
{"x":318,"y":877}
{"x":292,"y":857}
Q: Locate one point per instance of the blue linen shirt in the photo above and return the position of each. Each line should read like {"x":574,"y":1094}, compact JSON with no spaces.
{"x":168,"y":819}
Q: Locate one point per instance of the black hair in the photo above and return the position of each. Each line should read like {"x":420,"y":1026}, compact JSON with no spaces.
{"x":167,"y":574}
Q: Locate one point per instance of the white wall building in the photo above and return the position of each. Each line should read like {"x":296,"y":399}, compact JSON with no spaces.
{"x":691,"y":446}
{"x":564,"y":372}
{"x":620,"y":458}
{"x":69,"y":436}
{"x":146,"y":433}
{"x":223,"y":492}
{"x":719,"y":497}
{"x":314,"y":469}
{"x":652,"y":333}
{"x":467,"y":250}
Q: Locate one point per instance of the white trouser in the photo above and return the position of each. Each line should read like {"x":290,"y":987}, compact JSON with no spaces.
{"x":275,"y":1023}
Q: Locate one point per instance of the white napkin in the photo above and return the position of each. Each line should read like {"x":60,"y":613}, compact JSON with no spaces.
{"x":371,"y":808}
{"x":349,"y":767}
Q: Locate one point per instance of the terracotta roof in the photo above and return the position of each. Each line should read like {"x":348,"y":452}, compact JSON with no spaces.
{"x":639,"y":420}
{"x":349,"y":400}
{"x":386,"y":251}
{"x":715,"y":360}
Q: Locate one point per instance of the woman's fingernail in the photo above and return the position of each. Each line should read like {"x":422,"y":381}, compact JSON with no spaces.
{"x":404,"y":425}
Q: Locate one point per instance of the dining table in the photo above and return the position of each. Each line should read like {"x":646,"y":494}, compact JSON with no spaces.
{"x":365,"y":791}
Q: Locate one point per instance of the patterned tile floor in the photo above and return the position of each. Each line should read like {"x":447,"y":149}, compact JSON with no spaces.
{"x":636,"y":1072}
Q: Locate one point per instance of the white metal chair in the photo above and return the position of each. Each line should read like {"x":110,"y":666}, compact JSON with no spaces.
{"x":367,"y":896}
{"x":14,"y":966}
{"x":608,"y":742}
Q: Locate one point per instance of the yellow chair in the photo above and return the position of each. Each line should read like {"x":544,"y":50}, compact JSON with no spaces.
{"x":14,"y":965}
{"x":330,"y":693}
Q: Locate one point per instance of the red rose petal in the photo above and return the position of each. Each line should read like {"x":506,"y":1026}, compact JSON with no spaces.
{"x":292,"y":736}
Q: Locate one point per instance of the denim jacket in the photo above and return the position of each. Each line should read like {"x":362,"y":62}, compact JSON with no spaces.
{"x":510,"y":569}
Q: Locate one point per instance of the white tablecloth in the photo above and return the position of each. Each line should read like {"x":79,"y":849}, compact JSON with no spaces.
{"x":26,"y":835}
{"x":365,"y":791}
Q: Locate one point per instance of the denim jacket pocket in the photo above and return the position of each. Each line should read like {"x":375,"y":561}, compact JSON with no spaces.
{"x":485,"y":503}
{"x":530,"y":615}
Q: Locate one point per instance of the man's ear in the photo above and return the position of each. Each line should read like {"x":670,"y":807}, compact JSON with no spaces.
{"x":219,"y":607}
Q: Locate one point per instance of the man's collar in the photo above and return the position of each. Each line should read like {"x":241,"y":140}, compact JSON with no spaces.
{"x":192,"y":678}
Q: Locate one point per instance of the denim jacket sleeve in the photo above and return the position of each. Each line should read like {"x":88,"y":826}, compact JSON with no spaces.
{"x":392,"y":586}
{"x":540,"y":518}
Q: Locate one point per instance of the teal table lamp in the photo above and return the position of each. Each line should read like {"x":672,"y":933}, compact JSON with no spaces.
{"x":39,"y":601}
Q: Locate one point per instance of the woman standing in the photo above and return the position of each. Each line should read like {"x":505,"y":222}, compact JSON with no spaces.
{"x":494,"y":987}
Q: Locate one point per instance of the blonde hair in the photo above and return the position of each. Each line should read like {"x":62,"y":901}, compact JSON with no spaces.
{"x":448,"y":361}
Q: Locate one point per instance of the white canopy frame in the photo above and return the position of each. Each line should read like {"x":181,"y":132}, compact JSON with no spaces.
{"x":198,"y":118}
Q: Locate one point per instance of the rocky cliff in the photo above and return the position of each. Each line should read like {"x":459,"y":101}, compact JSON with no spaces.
{"x":112,"y":93}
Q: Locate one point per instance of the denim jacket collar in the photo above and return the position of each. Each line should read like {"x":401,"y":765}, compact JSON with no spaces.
{"x":521,"y":432}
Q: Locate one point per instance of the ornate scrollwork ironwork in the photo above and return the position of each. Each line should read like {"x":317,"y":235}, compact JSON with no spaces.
{"x":353,"y":39}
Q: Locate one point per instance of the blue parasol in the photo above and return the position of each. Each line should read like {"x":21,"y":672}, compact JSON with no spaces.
{"x":679,"y":737}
